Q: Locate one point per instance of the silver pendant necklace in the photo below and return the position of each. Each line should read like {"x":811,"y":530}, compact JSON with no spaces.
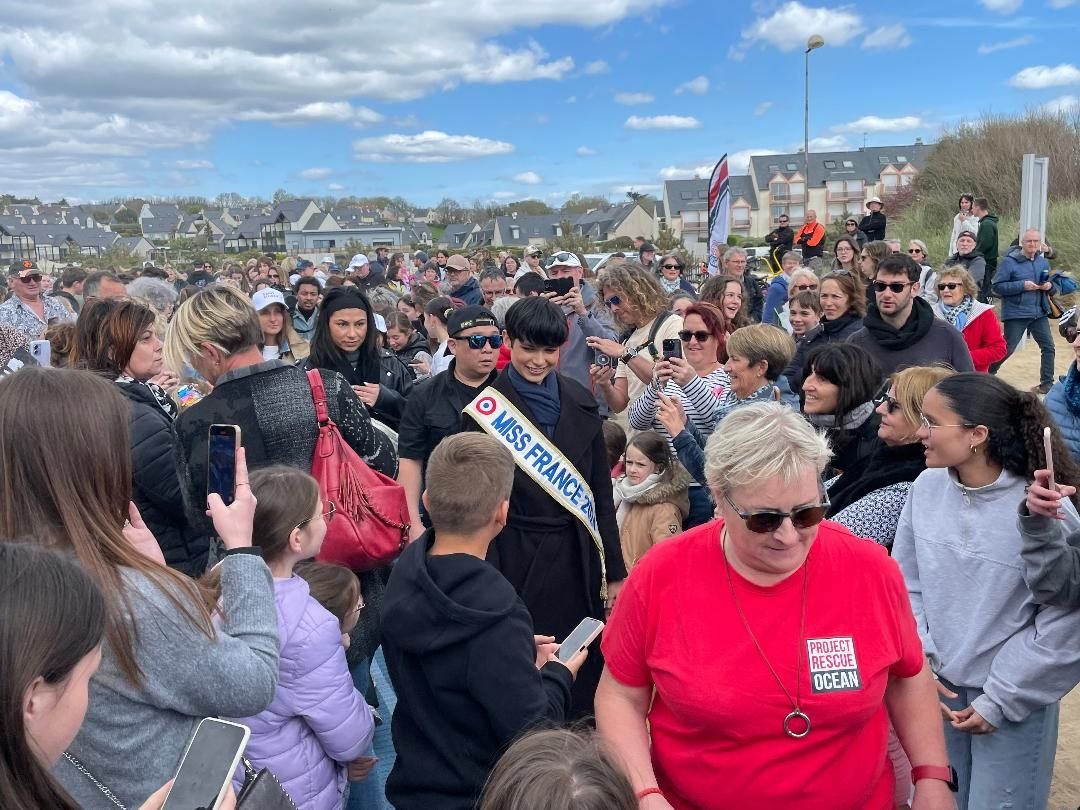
{"x":796,"y":724}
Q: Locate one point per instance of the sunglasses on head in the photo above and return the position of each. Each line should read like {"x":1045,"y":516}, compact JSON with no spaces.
{"x":614,"y":301}
{"x":894,"y":286}
{"x":701,"y":337}
{"x":949,"y":285}
{"x":768,"y":521}
{"x":477,"y":341}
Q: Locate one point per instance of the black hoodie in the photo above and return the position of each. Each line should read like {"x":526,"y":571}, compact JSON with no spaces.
{"x":459,"y":646}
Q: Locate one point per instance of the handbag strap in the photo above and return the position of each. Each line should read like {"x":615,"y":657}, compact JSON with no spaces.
{"x":318,"y":394}
{"x":83,"y":770}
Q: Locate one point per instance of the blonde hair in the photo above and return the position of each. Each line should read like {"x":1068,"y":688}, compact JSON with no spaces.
{"x":219,"y":315}
{"x":486,"y":468}
{"x":761,"y":441}
{"x":638,"y":288}
{"x":921,"y":245}
{"x":801,"y":273}
{"x":961,"y":274}
{"x":911,"y":385}
{"x":763,"y":342}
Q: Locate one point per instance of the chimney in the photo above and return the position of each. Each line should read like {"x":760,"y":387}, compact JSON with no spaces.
{"x":513,"y":215}
{"x":918,"y":141}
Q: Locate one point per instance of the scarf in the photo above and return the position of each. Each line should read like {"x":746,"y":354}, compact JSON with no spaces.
{"x":887,"y":466}
{"x":767,"y":392}
{"x":1071,"y":386}
{"x":624,"y":493}
{"x":839,"y":324}
{"x":161,"y":397}
{"x":958,"y":315}
{"x":914,"y":329}
{"x":850,"y":420}
{"x":542,"y":398}
{"x":669,"y":286}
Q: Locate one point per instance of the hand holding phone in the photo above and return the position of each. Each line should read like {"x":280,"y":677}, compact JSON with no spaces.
{"x":1048,"y":449}
{"x":222,"y":444}
{"x":206,"y":770}
{"x":233,"y":523}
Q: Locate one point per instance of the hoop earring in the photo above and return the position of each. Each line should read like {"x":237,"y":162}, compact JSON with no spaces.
{"x":974,"y":450}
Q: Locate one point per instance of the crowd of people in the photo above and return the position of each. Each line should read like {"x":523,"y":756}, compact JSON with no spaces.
{"x":770,"y":489}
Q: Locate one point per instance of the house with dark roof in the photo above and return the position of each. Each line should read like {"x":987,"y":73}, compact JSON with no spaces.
{"x":15,"y":245}
{"x":294,"y":213}
{"x":611,"y":222}
{"x":458,"y":236}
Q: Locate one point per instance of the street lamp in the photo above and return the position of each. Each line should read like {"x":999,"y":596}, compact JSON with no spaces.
{"x":812,"y":44}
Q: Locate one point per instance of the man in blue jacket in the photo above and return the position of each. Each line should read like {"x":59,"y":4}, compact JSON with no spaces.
{"x":774,"y":311}
{"x":1023,"y":284}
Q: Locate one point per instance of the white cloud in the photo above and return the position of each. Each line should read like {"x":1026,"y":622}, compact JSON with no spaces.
{"x":585,"y":151}
{"x":1040,"y":76}
{"x":698,"y":86}
{"x":316,"y":173}
{"x":887,"y":37}
{"x":662,"y":122}
{"x":333,"y":112}
{"x":874,"y":123}
{"x":1062,"y":104}
{"x":687,"y":172}
{"x":739,"y":162}
{"x":597,"y":68}
{"x":1002,"y":6}
{"x":762,"y":108}
{"x":642,"y":188}
{"x":790,"y":25}
{"x":528,"y":178}
{"x":427,"y":147}
{"x":571,"y":100}
{"x":994,"y":47}
{"x":191,"y":165}
{"x":834,"y":143}
{"x":634,"y":98}
{"x":335,"y":187}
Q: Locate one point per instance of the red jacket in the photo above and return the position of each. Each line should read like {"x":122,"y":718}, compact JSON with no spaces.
{"x":983,"y":336}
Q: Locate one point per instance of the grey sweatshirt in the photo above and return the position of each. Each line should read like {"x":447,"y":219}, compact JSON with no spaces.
{"x":134,"y":736}
{"x":980,"y":625}
{"x":1052,"y":557}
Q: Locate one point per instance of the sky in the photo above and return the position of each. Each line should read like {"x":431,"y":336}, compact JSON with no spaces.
{"x":491,"y":100}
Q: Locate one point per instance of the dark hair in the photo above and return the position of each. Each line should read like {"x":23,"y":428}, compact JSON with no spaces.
{"x":852,"y":288}
{"x":851,"y":369}
{"x":311,"y":281}
{"x":712,"y":292}
{"x":558,"y":769}
{"x":981,"y":202}
{"x":286,"y":498}
{"x":158,"y":273}
{"x":517,"y":262}
{"x":400,"y":321}
{"x":715,"y":322}
{"x":1014,"y":420}
{"x":53,"y":617}
{"x":537,"y":321}
{"x":614,"y":441}
{"x":900,"y":264}
{"x":963,"y":197}
{"x":529,"y":285}
{"x":808,"y":299}
{"x":877,"y":251}
{"x":654,"y":447}
{"x":442,"y":252}
{"x":72,"y":276}
{"x":106,"y":334}
{"x":93,"y":282}
{"x":440,"y":308}
{"x":326,"y":354}
{"x":333,"y":586}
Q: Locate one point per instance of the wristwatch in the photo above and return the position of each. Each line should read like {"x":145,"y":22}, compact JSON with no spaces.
{"x":627,"y":356}
{"x":946,"y":773}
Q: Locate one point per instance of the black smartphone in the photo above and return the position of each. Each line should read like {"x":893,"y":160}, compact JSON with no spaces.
{"x":559,"y":286}
{"x":601,"y":359}
{"x":207,"y":767}
{"x":221,"y":462}
{"x":672,"y":347}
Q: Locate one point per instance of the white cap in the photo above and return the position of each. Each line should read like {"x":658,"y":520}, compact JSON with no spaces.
{"x":529,"y":251}
{"x":380,"y":322}
{"x":359,"y":260}
{"x":327,"y":259}
{"x":265,"y":297}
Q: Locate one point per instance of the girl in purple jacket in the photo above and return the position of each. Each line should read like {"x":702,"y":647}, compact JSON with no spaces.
{"x":317,"y":723}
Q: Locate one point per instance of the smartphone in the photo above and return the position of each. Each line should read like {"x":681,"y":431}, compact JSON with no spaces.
{"x":41,"y":350}
{"x":559,"y":286}
{"x":580,"y":637}
{"x":188,"y":395}
{"x":208,"y":765}
{"x":672,"y":347}
{"x":221,"y":467}
{"x":421,"y":357}
{"x":1049,"y":455}
{"x":601,"y":359}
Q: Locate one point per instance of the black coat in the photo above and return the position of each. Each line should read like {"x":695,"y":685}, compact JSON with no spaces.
{"x":548,"y":556}
{"x":852,"y":449}
{"x":873,"y":225}
{"x":395,"y":381}
{"x":824,"y":333}
{"x":417,"y":343}
{"x":156,"y":484}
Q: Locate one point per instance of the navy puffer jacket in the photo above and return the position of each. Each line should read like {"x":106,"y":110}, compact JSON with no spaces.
{"x":1066,"y":419}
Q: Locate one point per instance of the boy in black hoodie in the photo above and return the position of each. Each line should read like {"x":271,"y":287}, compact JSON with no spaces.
{"x":470,"y":676}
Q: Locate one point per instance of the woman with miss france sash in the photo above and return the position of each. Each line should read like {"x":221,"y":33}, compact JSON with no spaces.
{"x":560,"y":547}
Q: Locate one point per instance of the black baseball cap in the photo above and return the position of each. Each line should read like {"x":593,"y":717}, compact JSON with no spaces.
{"x":467,"y":318}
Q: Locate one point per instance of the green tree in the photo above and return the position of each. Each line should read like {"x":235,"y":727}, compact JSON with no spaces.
{"x":530,"y":208}
{"x":666,"y":240}
{"x":574,"y":242}
{"x":577,"y":204}
{"x":281,"y":195}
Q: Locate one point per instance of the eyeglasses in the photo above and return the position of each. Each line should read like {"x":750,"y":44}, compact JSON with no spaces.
{"x":533,"y":255}
{"x":893,"y":286}
{"x":768,"y":521}
{"x":614,"y":301}
{"x":477,"y":341}
{"x":672,"y":266}
{"x":884,"y":399}
{"x":851,"y":222}
{"x":30,"y":279}
{"x":931,"y":428}
{"x":949,"y":285}
{"x":701,"y":337}
{"x":913,"y":251}
{"x":805,"y":287}
{"x":329,"y":510}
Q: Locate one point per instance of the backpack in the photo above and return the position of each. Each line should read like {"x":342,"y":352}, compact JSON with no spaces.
{"x":370,"y":527}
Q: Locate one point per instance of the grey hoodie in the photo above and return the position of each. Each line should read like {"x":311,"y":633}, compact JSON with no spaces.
{"x":980,"y":625}
{"x":576,"y":356}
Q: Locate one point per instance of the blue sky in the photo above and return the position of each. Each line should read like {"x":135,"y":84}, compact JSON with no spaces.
{"x":488,"y":99}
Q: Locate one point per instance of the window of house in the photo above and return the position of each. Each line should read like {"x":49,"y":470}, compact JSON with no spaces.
{"x":853,"y":187}
{"x":703,"y":195}
{"x":901,"y":158}
{"x":515,"y":232}
{"x":780,"y":191}
{"x":686,"y":195}
{"x":848,"y":164}
{"x":884,"y":161}
{"x":774,"y":167}
{"x":797,"y":189}
{"x":830,"y":164}
{"x":906,"y":179}
{"x":797,"y":213}
{"x":890,"y":180}
{"x":836,"y":211}
{"x":834,"y":186}
{"x":792,"y":167}
{"x":740,"y":217}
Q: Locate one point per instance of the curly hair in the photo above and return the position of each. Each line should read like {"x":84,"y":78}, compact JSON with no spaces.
{"x":638,"y":287}
{"x":1015,"y":421}
{"x":712,"y":292}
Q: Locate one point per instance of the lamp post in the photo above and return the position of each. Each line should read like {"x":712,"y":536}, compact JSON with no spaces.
{"x":812,"y":44}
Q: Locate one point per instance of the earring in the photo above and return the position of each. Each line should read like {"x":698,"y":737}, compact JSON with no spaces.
{"x":974,"y":450}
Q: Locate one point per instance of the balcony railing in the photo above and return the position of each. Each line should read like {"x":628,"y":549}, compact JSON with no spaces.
{"x":787,"y":197}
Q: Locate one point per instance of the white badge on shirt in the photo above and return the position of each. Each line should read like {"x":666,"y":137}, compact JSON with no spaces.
{"x":833,"y":666}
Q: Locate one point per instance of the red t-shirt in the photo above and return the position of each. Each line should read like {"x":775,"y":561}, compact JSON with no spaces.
{"x":717,"y":717}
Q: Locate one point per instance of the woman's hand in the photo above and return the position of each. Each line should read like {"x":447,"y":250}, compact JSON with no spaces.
{"x":157,"y":798}
{"x":140,"y":537}
{"x":360,"y":768}
{"x":574,"y":664}
{"x":662,"y":372}
{"x":601,"y":375}
{"x":671,"y":415}
{"x":972,"y":722}
{"x":947,"y":713}
{"x":421,"y":368}
{"x":233,"y":522}
{"x":367,"y":393}
{"x":611,"y":348}
{"x":545,"y":649}
{"x":681,"y":371}
{"x":654,"y":801}
{"x":1041,"y":500}
{"x":167,"y":380}
{"x":933,"y":794}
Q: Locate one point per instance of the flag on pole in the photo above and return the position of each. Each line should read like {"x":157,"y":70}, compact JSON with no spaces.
{"x":719,"y":212}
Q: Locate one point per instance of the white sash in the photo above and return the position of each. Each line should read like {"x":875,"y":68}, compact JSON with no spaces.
{"x":539,"y":458}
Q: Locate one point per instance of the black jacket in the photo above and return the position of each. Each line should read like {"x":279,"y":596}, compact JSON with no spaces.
{"x":417,"y":343}
{"x":823,"y":334}
{"x":851,"y":449}
{"x":873,"y":225}
{"x":782,"y":238}
{"x":754,"y":297}
{"x":70,"y":298}
{"x":395,"y":381}
{"x":459,"y":647}
{"x":156,"y":486}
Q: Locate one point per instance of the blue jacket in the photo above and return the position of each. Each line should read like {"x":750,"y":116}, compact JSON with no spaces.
{"x":1066,"y":419}
{"x":1016,"y":302}
{"x":775,"y":300}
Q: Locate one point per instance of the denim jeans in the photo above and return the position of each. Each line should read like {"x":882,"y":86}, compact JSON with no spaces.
{"x":367,"y":794}
{"x":1039,"y":329}
{"x":1009,"y":769}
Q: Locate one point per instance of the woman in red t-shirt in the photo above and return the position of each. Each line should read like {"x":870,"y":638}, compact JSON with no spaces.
{"x":763,"y":654}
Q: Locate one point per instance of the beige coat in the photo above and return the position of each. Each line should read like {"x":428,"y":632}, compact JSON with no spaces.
{"x":656,"y":516}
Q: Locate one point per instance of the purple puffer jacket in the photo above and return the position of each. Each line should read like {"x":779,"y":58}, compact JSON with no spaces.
{"x":317,"y":719}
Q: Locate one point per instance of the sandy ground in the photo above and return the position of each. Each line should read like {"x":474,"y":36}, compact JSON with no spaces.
{"x":1022,"y":370}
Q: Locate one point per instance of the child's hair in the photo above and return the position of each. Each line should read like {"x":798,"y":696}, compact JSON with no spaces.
{"x":654,"y":447}
{"x":333,"y":586}
{"x":286,"y":498}
{"x":614,"y":442}
{"x":467,"y":477}
{"x":558,"y":769}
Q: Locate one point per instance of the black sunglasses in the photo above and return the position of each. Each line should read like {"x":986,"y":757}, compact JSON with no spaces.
{"x":913,"y":251}
{"x":672,"y":267}
{"x":895,"y":286}
{"x":949,"y":285}
{"x":614,"y":301}
{"x":477,"y":341}
{"x":805,"y":287}
{"x":701,"y":337}
{"x":769,"y":520}
{"x":884,"y":399}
